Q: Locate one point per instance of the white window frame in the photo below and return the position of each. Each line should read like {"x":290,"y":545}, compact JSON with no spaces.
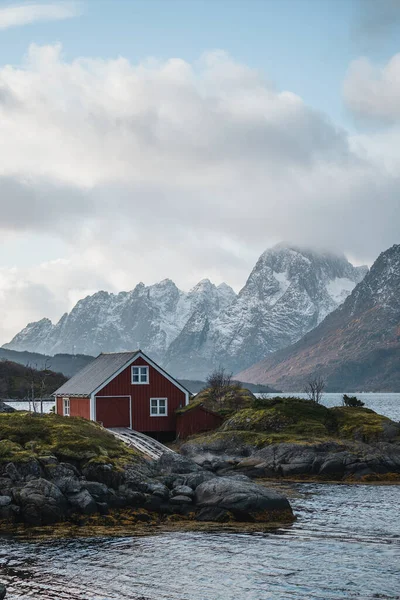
{"x":66,"y":407}
{"x":158,"y":414}
{"x":140,"y":369}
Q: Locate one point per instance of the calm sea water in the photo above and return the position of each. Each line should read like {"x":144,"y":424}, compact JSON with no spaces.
{"x":345,"y":544}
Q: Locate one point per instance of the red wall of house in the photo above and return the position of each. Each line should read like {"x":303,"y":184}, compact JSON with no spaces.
{"x":79,"y":407}
{"x":195,"y":421}
{"x":113,"y":412}
{"x":158,"y":387}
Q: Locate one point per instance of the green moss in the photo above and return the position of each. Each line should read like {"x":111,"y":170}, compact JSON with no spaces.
{"x":192,"y":404}
{"x":26,"y":435}
{"x":295,"y":420}
{"x":359,"y":423}
{"x":291,"y":416}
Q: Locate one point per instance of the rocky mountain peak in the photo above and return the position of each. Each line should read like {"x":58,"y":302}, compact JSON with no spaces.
{"x":288,"y":292}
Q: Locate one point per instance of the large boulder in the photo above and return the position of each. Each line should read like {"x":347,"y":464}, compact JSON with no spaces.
{"x":41,"y":502}
{"x":245,"y":501}
{"x":3,"y":591}
{"x":5,"y":408}
{"x":170,"y":462}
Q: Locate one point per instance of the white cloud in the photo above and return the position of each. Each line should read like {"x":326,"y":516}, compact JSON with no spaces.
{"x":26,"y":13}
{"x":373,"y":92}
{"x":168,"y":169}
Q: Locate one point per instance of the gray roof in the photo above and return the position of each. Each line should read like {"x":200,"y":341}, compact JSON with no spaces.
{"x":86,"y":381}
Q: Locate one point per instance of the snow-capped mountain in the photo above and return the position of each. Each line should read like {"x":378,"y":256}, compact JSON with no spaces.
{"x":289,"y":291}
{"x":150,"y":317}
{"x":357,"y":346}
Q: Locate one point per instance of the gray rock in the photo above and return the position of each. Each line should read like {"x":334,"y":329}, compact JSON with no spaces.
{"x":181,"y":499}
{"x":182,"y":490}
{"x":171,"y":462}
{"x":213,"y":513}
{"x":195,"y":479}
{"x":41,"y":502}
{"x":69,"y":485}
{"x":246,"y":501}
{"x":99,"y":491}
{"x":5,"y":408}
{"x":158,"y":489}
{"x":104,"y":474}
{"x":82,"y":502}
{"x":11,"y":472}
{"x":5,"y":500}
{"x":3,"y":591}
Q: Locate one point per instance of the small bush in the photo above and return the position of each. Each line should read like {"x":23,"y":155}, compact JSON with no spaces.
{"x":352,"y":401}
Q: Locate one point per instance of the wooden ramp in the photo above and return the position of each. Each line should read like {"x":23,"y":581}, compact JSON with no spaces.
{"x":140,"y":441}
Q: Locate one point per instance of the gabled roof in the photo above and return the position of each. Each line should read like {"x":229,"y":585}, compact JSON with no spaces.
{"x":102,"y":369}
{"x":93,"y":375}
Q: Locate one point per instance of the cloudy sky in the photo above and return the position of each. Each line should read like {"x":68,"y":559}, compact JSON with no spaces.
{"x":145,"y":139}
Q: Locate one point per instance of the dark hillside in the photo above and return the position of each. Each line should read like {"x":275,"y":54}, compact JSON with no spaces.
{"x":68,"y":364}
{"x":17,"y":381}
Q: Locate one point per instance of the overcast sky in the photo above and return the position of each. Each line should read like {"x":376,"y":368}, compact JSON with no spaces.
{"x":148,"y":139}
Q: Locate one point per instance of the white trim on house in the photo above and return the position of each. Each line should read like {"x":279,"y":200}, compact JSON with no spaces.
{"x":92,"y":407}
{"x":139,"y":374}
{"x":140,"y":354}
{"x":66,"y":406}
{"x":124,"y":396}
{"x":158,"y":414}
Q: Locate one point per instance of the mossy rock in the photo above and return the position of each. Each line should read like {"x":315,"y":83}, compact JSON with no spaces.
{"x":363,"y":424}
{"x":295,"y":420}
{"x":29,"y":435}
{"x":233,"y":398}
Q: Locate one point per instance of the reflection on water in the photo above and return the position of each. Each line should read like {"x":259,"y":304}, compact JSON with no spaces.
{"x":345,"y":544}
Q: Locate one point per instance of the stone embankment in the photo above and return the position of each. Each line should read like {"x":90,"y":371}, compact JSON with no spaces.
{"x":45,"y":491}
{"x":323,"y":460}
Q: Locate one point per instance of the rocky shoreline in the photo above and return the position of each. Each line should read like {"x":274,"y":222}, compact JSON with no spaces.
{"x":45,"y":491}
{"x":339,"y":461}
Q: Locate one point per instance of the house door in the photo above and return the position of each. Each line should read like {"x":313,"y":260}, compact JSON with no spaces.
{"x":113,"y":411}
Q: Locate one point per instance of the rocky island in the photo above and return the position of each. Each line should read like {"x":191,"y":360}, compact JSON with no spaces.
{"x":55,"y":469}
{"x":297,"y":438}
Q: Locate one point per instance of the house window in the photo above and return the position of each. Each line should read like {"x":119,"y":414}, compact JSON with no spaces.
{"x":66,"y":407}
{"x":140,"y":375}
{"x":158,"y":407}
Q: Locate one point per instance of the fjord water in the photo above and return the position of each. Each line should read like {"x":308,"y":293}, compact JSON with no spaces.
{"x":345,"y":544}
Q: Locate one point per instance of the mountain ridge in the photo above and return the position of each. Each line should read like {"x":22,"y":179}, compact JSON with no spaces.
{"x":349,"y":344}
{"x":288,"y":292}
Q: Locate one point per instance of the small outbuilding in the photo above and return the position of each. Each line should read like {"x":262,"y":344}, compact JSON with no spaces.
{"x":124,"y":389}
{"x":196,"y":418}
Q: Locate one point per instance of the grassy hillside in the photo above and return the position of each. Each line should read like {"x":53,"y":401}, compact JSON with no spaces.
{"x":296,"y":420}
{"x":28,"y":435}
{"x":18,"y":381}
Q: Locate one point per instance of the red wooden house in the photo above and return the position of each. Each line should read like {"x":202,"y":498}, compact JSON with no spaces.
{"x":124,"y":389}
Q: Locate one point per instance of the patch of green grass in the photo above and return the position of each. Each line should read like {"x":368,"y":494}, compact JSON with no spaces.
{"x":295,"y":420}
{"x":291,"y":416}
{"x":359,"y":423}
{"x":27,"y":435}
{"x":189,"y":406}
{"x":246,"y":438}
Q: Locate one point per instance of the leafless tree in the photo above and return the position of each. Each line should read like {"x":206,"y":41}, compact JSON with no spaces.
{"x":314,"y":388}
{"x":217,"y":383}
